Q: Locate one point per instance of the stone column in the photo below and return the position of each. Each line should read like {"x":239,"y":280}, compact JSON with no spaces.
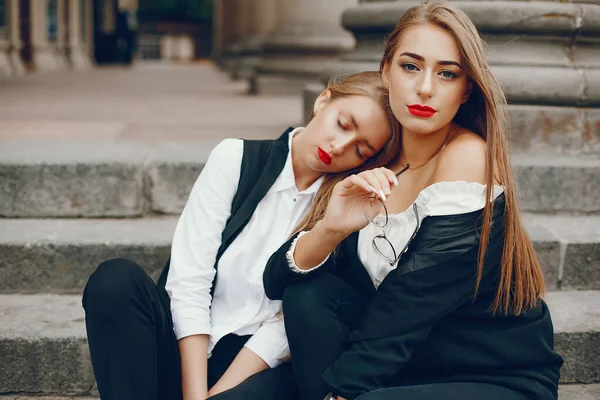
{"x":43,"y":51}
{"x":14,"y":27}
{"x":258,"y":20}
{"x":308,"y":35}
{"x":545,"y":54}
{"x":5,"y":44}
{"x":60,"y":45}
{"x":236,"y":30}
{"x":78,"y":53}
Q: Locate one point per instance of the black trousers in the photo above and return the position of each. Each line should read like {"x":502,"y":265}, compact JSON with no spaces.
{"x":134,"y":350}
{"x":319,"y":314}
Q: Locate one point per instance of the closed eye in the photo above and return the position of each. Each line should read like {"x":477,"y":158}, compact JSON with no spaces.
{"x":339,"y":122}
{"x":358,"y":153}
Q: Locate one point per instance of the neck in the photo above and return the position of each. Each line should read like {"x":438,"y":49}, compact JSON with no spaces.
{"x":303,"y":175}
{"x":418,"y":149}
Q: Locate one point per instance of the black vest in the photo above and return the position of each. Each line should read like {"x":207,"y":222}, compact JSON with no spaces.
{"x":262,"y":162}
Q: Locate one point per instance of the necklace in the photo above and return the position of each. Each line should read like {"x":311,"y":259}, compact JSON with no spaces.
{"x":446,"y":140}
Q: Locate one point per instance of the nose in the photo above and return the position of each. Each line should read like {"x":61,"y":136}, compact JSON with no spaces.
{"x":340,"y":143}
{"x":425,"y":87}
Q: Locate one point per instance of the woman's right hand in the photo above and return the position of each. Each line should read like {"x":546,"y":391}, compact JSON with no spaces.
{"x":355,"y":198}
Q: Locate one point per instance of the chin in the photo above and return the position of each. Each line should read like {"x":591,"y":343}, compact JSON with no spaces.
{"x":318,"y":166}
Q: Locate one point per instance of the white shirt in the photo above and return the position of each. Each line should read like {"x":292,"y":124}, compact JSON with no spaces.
{"x":442,"y":198}
{"x":240,"y":305}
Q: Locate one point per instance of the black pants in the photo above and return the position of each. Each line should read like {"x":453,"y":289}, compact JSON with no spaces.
{"x":134,"y":350}
{"x":319,"y":314}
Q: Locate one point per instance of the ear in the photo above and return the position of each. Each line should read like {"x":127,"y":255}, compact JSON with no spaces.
{"x":322,"y":101}
{"x":468,"y":92}
{"x":385,"y":75}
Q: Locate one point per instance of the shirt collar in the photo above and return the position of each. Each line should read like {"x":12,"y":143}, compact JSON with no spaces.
{"x":286,"y":179}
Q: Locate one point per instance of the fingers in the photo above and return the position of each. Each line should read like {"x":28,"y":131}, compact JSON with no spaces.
{"x":380,"y":179}
{"x":354,"y":181}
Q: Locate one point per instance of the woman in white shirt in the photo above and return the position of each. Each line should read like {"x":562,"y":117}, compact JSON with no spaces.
{"x":247,"y":200}
{"x":435,"y":291}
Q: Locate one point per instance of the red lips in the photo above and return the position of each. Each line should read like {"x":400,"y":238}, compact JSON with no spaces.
{"x":421,"y":111}
{"x":324,"y":156}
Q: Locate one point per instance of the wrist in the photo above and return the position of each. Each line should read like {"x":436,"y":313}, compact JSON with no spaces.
{"x":329,"y":234}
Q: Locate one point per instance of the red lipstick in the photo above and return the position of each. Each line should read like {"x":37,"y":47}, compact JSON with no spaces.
{"x":324,"y":156}
{"x":421,"y":111}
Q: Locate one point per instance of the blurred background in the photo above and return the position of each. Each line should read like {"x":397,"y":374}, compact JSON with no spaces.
{"x":109,"y":109}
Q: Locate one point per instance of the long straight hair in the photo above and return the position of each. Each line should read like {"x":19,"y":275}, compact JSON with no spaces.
{"x":367,"y":84}
{"x":521,"y":282}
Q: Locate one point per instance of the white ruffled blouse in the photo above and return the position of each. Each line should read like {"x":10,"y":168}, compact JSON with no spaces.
{"x":442,"y":198}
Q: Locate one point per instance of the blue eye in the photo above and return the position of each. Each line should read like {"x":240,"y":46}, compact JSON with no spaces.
{"x":409,"y":67}
{"x":448,"y":74}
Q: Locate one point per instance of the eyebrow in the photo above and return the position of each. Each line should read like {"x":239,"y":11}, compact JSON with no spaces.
{"x":421,"y":58}
{"x":355,"y":124}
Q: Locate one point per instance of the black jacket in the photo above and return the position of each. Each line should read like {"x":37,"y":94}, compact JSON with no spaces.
{"x":422,"y":324}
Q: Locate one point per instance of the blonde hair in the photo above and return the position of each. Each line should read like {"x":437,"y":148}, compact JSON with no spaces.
{"x":367,"y":84}
{"x":521,"y":282}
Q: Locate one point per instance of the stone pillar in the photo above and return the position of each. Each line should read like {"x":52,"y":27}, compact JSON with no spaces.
{"x":5,"y":43}
{"x":14,"y":27}
{"x":44,"y":34}
{"x":78,"y":52}
{"x":236,"y":28}
{"x":256,"y":21}
{"x":60,"y":44}
{"x":308,"y":35}
{"x":545,"y":54}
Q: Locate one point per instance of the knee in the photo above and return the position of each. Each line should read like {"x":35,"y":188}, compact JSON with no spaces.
{"x":303,"y":300}
{"x":112,"y":286}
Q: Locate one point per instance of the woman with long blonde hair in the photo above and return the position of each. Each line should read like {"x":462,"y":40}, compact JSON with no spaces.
{"x":207,"y":329}
{"x":434,"y":290}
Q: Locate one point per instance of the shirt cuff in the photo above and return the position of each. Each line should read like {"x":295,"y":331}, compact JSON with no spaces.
{"x":185,"y":326}
{"x":290,"y":257}
{"x":270,"y":343}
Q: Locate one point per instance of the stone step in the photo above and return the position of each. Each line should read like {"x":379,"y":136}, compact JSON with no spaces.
{"x":44,"y":350}
{"x":565,"y":392}
{"x":58,"y":255}
{"x":127,"y":179}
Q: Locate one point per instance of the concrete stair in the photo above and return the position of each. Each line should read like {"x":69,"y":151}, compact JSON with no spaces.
{"x":43,"y":341}
{"x":58,"y":255}
{"x":107,"y":179}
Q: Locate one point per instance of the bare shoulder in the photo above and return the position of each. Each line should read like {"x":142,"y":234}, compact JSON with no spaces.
{"x":463,"y":159}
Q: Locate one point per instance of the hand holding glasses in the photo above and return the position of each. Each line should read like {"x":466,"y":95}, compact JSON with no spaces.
{"x":382,"y":246}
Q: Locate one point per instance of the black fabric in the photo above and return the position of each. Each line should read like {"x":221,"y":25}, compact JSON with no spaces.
{"x":134,"y":350}
{"x":262,"y":162}
{"x":319,"y":312}
{"x":445,"y":391}
{"x":326,"y":304}
{"x":423,"y":326}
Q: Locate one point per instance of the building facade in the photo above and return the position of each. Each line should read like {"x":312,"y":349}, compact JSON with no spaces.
{"x":51,"y":35}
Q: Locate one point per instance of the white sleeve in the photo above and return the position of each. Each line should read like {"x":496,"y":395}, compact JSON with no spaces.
{"x":289,"y":255}
{"x":269,"y":342}
{"x":197,"y":239}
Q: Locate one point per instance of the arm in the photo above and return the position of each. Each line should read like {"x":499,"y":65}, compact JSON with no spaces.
{"x":283,"y":269}
{"x":267,"y":348}
{"x":195,"y":244}
{"x":245,"y":364}
{"x":345,"y":214}
{"x":435,"y":277}
{"x":193,"y":351}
